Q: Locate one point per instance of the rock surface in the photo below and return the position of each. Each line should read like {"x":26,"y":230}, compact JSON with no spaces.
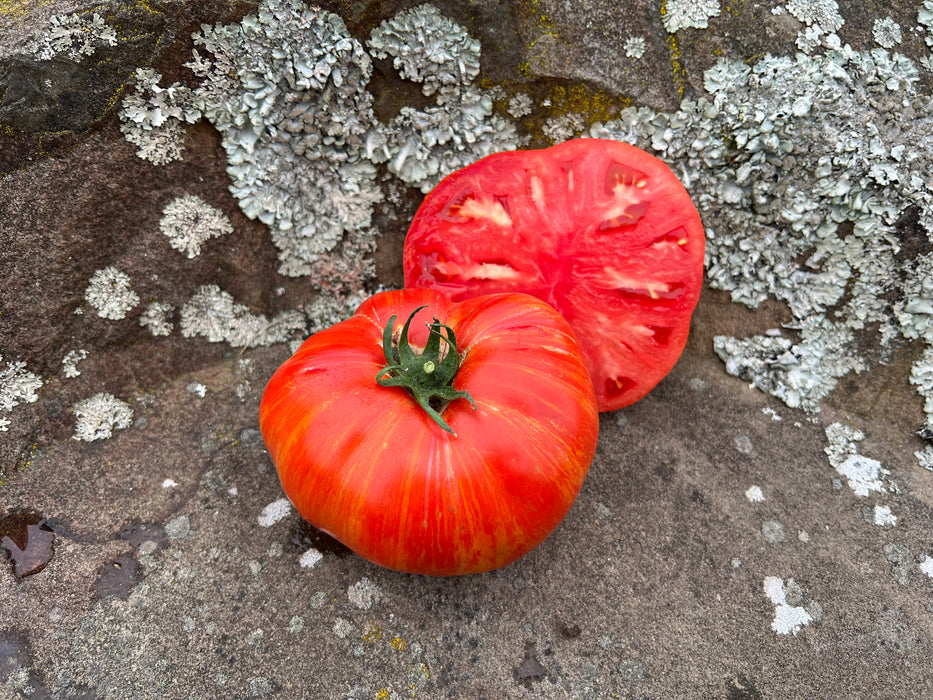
{"x":724,"y":544}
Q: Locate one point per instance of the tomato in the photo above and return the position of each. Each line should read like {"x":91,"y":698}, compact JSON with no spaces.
{"x":599,"y":229}
{"x":472,"y":483}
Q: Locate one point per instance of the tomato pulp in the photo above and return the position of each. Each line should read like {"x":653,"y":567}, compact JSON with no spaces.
{"x":599,"y":229}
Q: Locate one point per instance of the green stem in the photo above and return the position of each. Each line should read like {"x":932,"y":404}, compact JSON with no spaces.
{"x":427,"y":375}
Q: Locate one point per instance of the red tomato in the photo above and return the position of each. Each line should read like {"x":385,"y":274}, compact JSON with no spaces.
{"x":366,"y":464}
{"x":599,"y":229}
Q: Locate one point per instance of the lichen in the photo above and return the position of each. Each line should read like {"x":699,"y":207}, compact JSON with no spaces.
{"x":109,"y":293}
{"x":189,"y":221}
{"x":214,"y":315}
{"x":681,"y":14}
{"x":802,"y":168}
{"x":286,"y":90}
{"x":424,"y":146}
{"x":887,"y":33}
{"x":75,"y":36}
{"x":153,"y":117}
{"x":822,"y":14}
{"x":563,"y":128}
{"x":800,"y":374}
{"x":635,"y":47}
{"x":17,"y":384}
{"x":863,"y":474}
{"x":157,"y":317}
{"x":421,"y":146}
{"x":921,"y":376}
{"x":98,"y":416}
{"x":70,"y":363}
{"x":428,"y":48}
{"x":520,"y":105}
{"x":925,"y":19}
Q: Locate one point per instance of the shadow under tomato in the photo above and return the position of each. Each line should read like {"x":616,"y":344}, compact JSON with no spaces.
{"x":304,"y":536}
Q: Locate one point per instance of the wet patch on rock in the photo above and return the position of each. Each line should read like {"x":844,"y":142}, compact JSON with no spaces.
{"x":28,"y":541}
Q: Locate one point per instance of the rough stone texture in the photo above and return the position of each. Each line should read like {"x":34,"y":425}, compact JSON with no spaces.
{"x":666,"y":580}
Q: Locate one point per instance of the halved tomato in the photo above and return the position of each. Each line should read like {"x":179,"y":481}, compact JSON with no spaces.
{"x":599,"y":229}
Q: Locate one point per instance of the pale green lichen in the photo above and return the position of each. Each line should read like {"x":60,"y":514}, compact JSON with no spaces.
{"x":428,"y":48}
{"x":157,"y":317}
{"x":286,"y":88}
{"x":75,"y":36}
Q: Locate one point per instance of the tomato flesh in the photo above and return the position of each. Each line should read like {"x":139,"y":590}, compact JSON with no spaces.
{"x":599,"y":229}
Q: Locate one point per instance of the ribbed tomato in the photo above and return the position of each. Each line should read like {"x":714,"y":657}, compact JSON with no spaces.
{"x":470,"y":488}
{"x":599,"y":229}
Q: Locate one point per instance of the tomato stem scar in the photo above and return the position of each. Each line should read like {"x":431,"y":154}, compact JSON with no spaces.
{"x":427,"y":375}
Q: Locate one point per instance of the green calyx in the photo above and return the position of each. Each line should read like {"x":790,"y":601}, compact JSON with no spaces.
{"x":426,"y":375}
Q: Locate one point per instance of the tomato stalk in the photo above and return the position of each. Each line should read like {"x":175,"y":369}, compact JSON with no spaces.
{"x":426,"y":375}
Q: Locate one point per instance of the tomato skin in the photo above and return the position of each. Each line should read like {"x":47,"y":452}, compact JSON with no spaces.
{"x":600,"y":229}
{"x":366,"y":464}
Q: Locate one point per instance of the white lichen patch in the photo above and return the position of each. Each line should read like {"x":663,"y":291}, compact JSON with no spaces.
{"x":887,"y":33}
{"x":310,"y":558}
{"x":274,"y":512}
{"x":189,"y":221}
{"x":75,"y":36}
{"x":520,"y":105}
{"x":635,"y":47}
{"x":428,"y":48}
{"x":70,"y":363}
{"x":925,"y":457}
{"x":110,"y":294}
{"x":680,"y":14}
{"x":755,"y":494}
{"x":157,"y":317}
{"x":214,"y":315}
{"x":423,"y":146}
{"x":921,"y":376}
{"x":926,"y":566}
{"x":286,"y":88}
{"x":822,"y":15}
{"x":863,"y":474}
{"x":883,"y":516}
{"x":925,"y":19}
{"x":98,"y":416}
{"x":799,"y":374}
{"x":17,"y":385}
{"x":364,"y":594}
{"x":789,"y":616}
{"x":197,"y":389}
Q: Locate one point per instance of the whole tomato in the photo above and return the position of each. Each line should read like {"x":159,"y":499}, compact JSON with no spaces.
{"x":435,"y":437}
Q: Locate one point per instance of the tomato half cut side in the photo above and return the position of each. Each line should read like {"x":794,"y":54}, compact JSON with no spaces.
{"x":600,"y":229}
